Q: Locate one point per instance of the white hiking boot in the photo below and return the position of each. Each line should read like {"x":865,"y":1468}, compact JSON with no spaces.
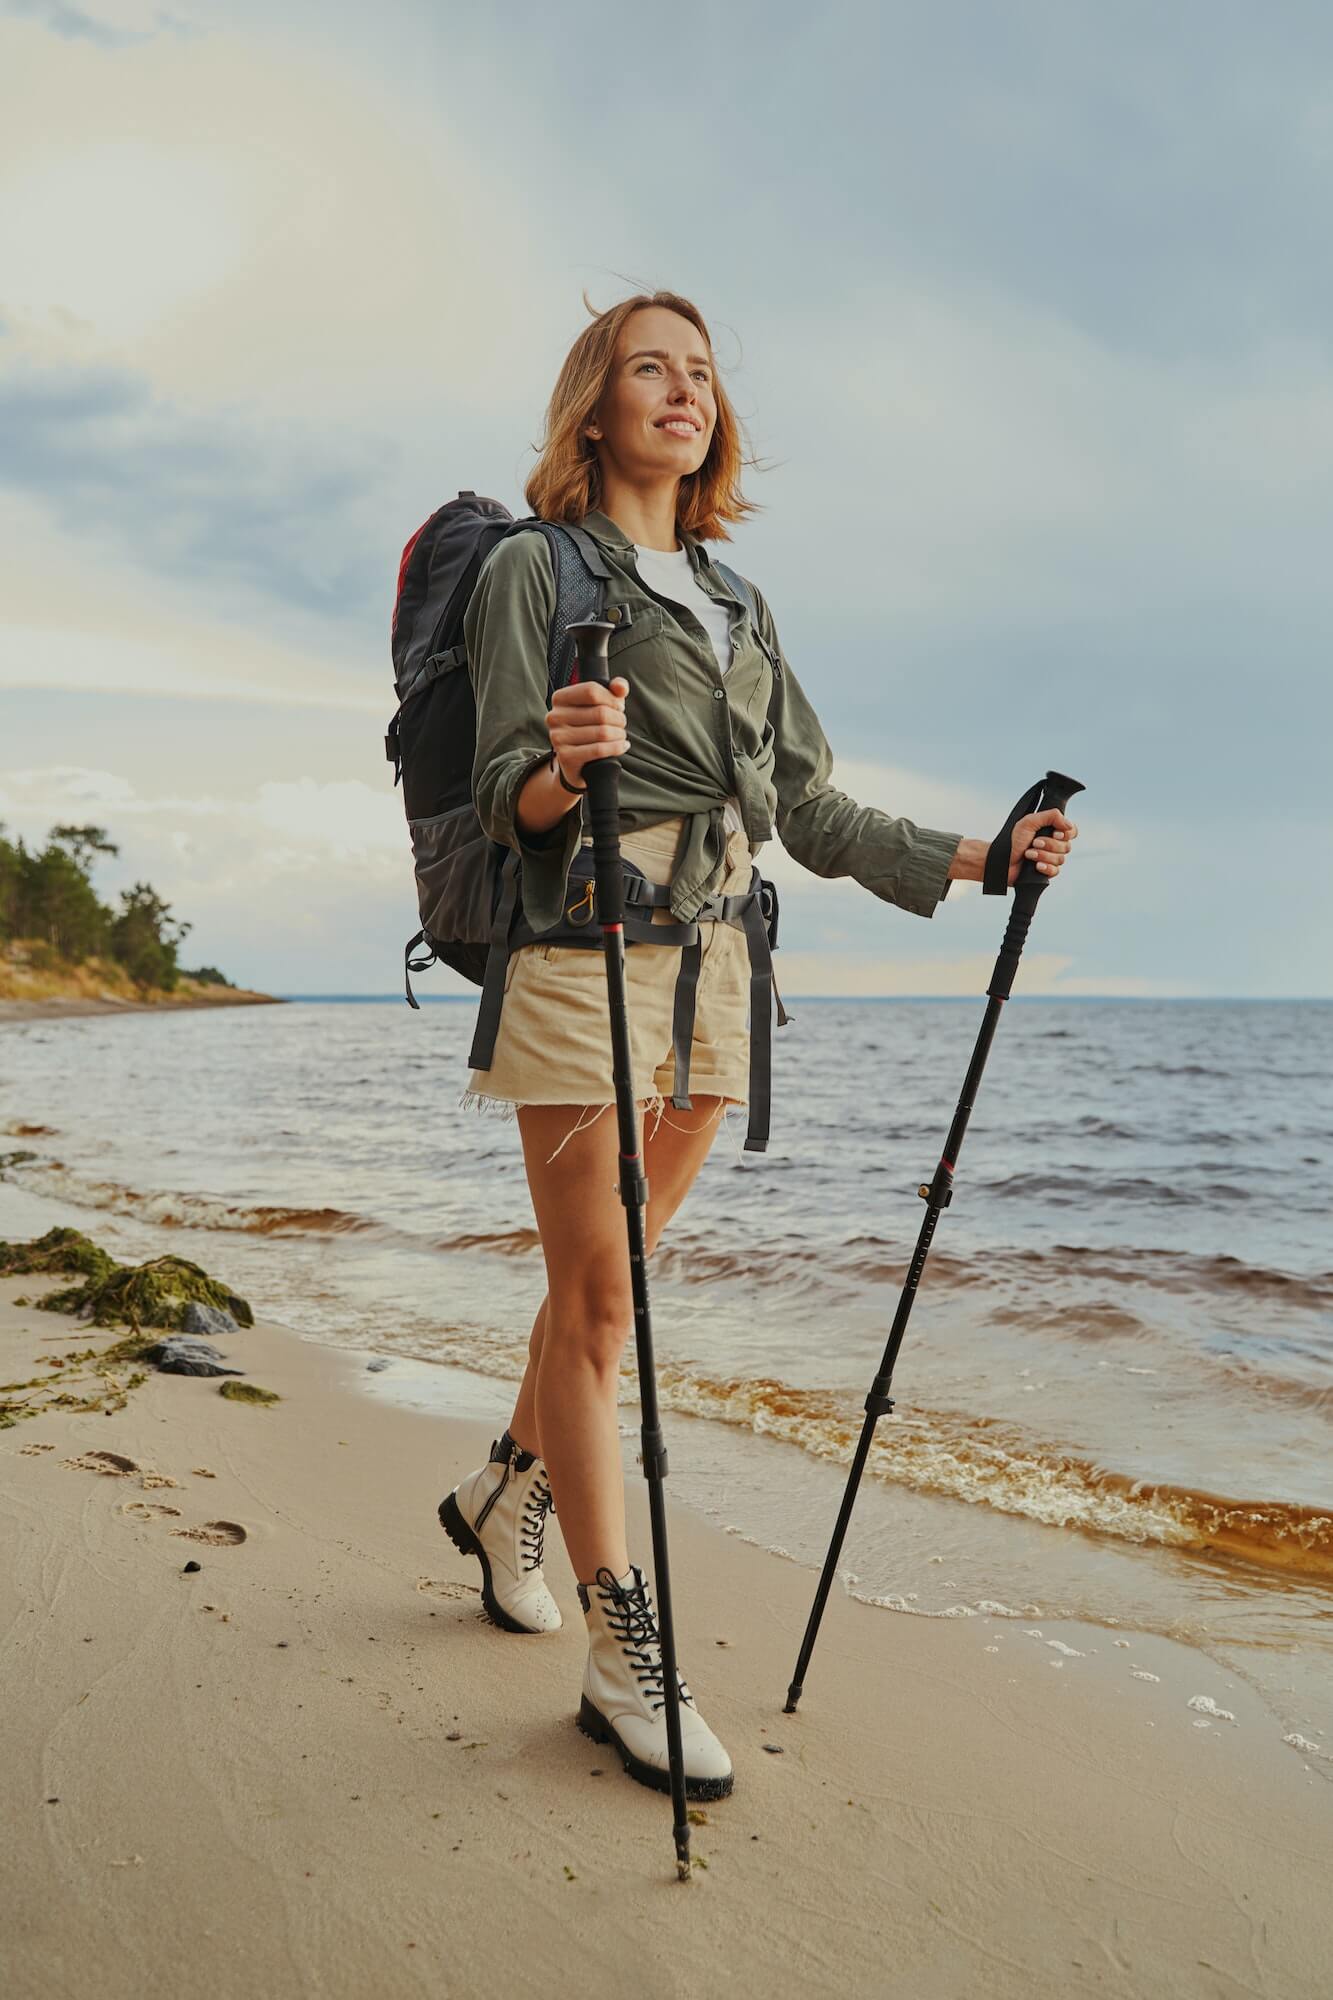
{"x":623,"y":1691}
{"x":498,"y":1514}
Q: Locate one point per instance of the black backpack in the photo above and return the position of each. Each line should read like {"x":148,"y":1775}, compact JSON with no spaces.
{"x":432,"y":739}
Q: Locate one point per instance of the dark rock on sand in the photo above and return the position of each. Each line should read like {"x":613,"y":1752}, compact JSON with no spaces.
{"x":200,"y":1318}
{"x":182,"y":1356}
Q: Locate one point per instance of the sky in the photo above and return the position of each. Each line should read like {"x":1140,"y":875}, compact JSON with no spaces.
{"x":1028,"y":311}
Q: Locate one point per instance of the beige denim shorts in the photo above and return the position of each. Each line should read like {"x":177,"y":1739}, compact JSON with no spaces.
{"x":554,"y":1043}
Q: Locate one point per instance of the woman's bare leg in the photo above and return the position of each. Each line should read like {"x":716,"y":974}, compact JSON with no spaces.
{"x":523,"y":1423}
{"x":568,"y":1404}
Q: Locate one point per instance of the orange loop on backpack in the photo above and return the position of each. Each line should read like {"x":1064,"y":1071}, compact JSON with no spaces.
{"x":581,"y":912}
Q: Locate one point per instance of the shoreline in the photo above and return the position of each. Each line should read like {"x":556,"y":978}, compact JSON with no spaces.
{"x":69,"y":1007}
{"x":318,"y":1728}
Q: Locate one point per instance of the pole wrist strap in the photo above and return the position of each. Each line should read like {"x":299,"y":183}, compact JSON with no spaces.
{"x":995,"y":876}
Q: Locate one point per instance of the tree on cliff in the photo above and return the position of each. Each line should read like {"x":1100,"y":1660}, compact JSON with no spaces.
{"x":47,"y":896}
{"x":145,"y":937}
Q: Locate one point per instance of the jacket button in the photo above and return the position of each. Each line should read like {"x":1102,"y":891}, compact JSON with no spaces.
{"x":718,"y":694}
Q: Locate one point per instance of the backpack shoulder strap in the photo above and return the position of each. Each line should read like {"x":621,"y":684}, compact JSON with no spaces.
{"x":743,"y":591}
{"x":582,"y":585}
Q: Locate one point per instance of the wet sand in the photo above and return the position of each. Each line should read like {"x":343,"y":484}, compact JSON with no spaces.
{"x":312,"y":1766}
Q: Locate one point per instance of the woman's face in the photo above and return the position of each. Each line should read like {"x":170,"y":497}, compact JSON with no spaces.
{"x":656,"y":415}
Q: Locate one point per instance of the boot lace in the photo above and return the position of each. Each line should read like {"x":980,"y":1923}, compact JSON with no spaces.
{"x":633,"y":1623}
{"x":532,"y":1528}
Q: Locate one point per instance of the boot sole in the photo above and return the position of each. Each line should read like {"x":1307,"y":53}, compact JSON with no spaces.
{"x":467,"y":1544}
{"x":594,"y":1724}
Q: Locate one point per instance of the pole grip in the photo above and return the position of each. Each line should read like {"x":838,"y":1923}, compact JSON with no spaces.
{"x":1055,"y":790}
{"x":591,"y":638}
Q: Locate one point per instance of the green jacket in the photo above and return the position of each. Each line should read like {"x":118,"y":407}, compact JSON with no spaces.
{"x":697,"y":737}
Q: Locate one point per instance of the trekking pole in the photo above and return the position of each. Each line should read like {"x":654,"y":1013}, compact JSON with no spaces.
{"x":1053,"y":790}
{"x":603,"y":782}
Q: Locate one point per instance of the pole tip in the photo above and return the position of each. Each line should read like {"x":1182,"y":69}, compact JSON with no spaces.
{"x":794,"y":1693}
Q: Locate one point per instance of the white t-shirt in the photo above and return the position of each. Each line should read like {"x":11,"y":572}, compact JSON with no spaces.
{"x":671,"y":574}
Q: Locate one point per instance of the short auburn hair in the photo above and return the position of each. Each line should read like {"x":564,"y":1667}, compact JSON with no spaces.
{"x":566,"y":481}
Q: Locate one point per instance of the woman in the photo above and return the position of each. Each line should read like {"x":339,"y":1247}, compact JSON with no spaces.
{"x":644,"y":451}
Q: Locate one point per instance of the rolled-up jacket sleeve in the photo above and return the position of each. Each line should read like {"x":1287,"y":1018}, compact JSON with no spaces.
{"x":829,"y":833}
{"x":505,"y":630}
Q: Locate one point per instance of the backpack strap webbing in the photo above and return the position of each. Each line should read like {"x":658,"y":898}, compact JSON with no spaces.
{"x":590,"y":554}
{"x":497,"y":960}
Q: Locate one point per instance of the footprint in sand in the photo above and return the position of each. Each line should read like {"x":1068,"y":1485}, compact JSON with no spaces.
{"x":115,"y":1467}
{"x":438,"y":1589}
{"x":109,"y":1462}
{"x":148,"y":1510}
{"x":30,"y":1450}
{"x":221,"y":1534}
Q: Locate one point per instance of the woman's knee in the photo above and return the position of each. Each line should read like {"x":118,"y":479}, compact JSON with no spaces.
{"x":589,"y":1326}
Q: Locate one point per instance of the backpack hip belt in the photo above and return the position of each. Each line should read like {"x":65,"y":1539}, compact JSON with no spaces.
{"x":753,"y":910}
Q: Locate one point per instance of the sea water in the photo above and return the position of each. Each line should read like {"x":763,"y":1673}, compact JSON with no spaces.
{"x":1115,"y":1398}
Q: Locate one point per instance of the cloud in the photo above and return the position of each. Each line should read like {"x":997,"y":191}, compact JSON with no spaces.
{"x":79,"y":616}
{"x":209,"y":500}
{"x":118,"y":24}
{"x":305,"y":821}
{"x":291,"y":886}
{"x":252,"y":219}
{"x":995,"y":462}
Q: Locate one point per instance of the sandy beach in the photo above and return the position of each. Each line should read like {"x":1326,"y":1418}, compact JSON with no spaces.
{"x":311,"y":1766}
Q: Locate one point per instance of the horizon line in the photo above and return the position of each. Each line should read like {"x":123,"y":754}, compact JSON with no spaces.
{"x":916,"y":999}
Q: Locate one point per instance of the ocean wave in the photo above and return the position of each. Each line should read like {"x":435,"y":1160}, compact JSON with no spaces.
{"x":980,"y":1460}
{"x":794,"y":1263}
{"x":1177,"y":1069}
{"x":174,"y":1209}
{"x":988,"y":1464}
{"x":1286,"y":1389}
{"x":1185,"y":1271}
{"x":500,"y":1242}
{"x":1072,"y":1190}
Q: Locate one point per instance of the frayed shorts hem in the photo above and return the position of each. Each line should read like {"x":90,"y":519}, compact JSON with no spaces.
{"x":654,"y":1107}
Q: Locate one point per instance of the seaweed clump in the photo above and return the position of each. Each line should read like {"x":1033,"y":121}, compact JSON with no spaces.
{"x":148,"y":1295}
{"x":60,"y":1251}
{"x":140,"y":1296}
{"x":248,"y":1392}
